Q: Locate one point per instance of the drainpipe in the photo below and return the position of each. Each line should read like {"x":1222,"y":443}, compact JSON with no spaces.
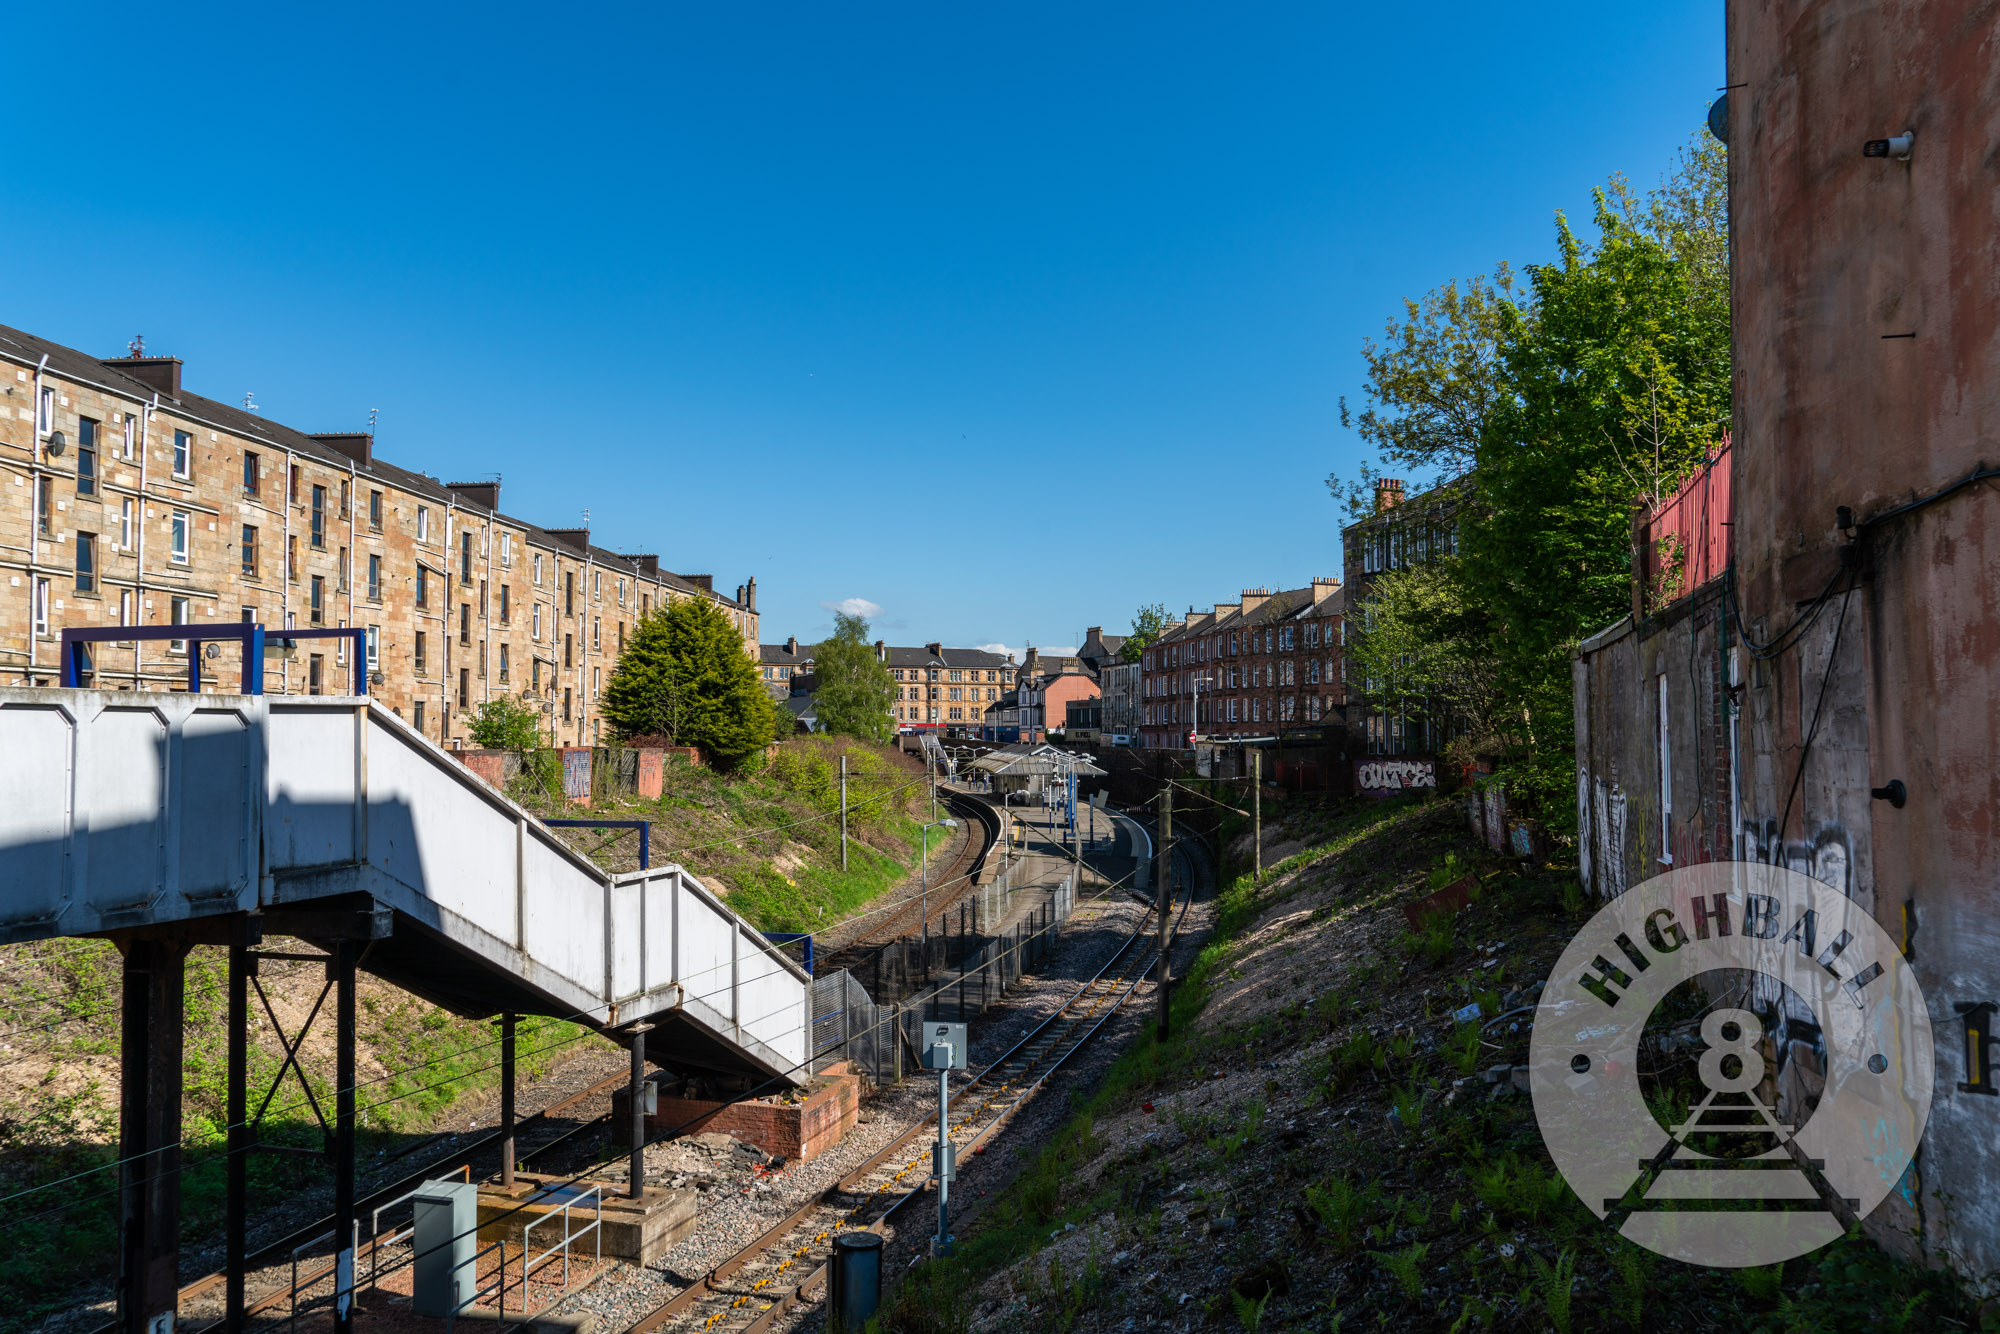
{"x":285,"y":559}
{"x":486,"y":609}
{"x":35,"y":520}
{"x":444,"y":637}
{"x":347,"y":575}
{"x":146,"y":411}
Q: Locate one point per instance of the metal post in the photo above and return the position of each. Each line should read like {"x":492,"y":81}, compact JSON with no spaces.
{"x":342,"y":964}
{"x":507,"y":1022}
{"x":236,"y":1214}
{"x":1163,"y":898}
{"x":1257,"y":812}
{"x":149,"y":1132}
{"x":943,"y":1243}
{"x":843,"y":814}
{"x":637,"y":1186}
{"x":896,"y":1040}
{"x":924,"y":897}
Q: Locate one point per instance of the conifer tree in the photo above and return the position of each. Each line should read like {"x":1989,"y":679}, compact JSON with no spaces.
{"x":683,"y":675}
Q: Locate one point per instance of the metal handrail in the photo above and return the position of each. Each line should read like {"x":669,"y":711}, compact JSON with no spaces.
{"x":499,"y":1284}
{"x":596,"y":1196}
{"x":354,"y":1241}
{"x":383,"y":1241}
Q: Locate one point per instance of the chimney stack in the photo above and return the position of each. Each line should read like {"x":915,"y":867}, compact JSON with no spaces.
{"x":1388,"y":493}
{"x":160,"y":374}
{"x":357,"y":445}
{"x":486,"y":495}
{"x":792,"y":645}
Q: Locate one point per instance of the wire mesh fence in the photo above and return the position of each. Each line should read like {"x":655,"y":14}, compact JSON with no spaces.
{"x":956,"y":973}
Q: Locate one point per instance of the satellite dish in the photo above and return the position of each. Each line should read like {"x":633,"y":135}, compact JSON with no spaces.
{"x":212,"y":651}
{"x":1718,"y":118}
{"x":58,"y":442}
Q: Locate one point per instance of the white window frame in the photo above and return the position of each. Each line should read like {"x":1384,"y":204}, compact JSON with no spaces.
{"x":131,"y":435}
{"x":423,"y":523}
{"x":374,"y":647}
{"x":180,"y":526}
{"x":178,"y":610}
{"x":538,"y":569}
{"x":537,"y":623}
{"x":42,"y":595}
{"x":183,"y":464}
{"x":125,"y":524}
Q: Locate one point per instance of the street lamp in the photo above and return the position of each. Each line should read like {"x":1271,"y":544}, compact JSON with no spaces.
{"x":1194,"y":724}
{"x":924,"y":902}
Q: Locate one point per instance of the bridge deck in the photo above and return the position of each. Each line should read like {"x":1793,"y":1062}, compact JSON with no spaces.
{"x":122,"y":810}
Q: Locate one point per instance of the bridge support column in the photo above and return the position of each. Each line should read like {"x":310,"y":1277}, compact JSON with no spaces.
{"x":636,"y":1188}
{"x":341,"y":966}
{"x":149,"y":1133}
{"x":507,"y":1102}
{"x":236,"y":1204}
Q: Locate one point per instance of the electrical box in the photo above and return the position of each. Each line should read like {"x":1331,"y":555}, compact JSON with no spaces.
{"x":944,"y":1162}
{"x":944,"y":1046}
{"x":445,"y":1235}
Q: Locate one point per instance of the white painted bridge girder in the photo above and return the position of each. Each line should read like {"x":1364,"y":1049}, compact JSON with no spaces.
{"x":122,"y":809}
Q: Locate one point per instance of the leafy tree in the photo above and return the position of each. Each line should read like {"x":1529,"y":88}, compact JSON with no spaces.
{"x":1422,"y":645}
{"x":1617,"y":385}
{"x":505,"y":723}
{"x":1430,"y":386}
{"x":853,"y":693}
{"x":683,"y":675}
{"x":1598,"y":384}
{"x":1148,"y":624}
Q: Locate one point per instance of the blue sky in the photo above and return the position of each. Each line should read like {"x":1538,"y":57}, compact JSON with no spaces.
{"x":1003,"y":321}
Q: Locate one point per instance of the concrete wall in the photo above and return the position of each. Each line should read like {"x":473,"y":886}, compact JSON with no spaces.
{"x":1835,"y":254}
{"x":1871,"y":653}
{"x":1622,"y":838}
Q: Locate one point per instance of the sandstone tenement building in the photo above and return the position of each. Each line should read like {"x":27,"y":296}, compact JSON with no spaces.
{"x":125,"y":500}
{"x":1268,"y":664}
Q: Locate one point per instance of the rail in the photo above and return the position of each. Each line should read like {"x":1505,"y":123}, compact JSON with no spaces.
{"x":1012,"y":1079}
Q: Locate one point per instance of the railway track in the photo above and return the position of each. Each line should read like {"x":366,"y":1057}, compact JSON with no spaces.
{"x":785,"y":1266}
{"x":208,"y":1289}
{"x":948,"y":884}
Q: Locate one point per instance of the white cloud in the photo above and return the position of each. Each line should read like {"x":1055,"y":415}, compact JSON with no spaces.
{"x":861,"y":607}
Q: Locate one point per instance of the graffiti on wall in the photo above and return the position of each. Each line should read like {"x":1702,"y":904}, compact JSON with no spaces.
{"x":1827,"y":855}
{"x":1378,"y":776}
{"x":1600,"y":835}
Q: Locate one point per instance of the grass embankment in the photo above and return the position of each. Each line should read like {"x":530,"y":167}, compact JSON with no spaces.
{"x":59,"y":1032}
{"x":1314,"y":1147}
{"x":770,"y":841}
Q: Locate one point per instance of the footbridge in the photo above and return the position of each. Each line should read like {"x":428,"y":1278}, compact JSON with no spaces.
{"x":167,"y":820}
